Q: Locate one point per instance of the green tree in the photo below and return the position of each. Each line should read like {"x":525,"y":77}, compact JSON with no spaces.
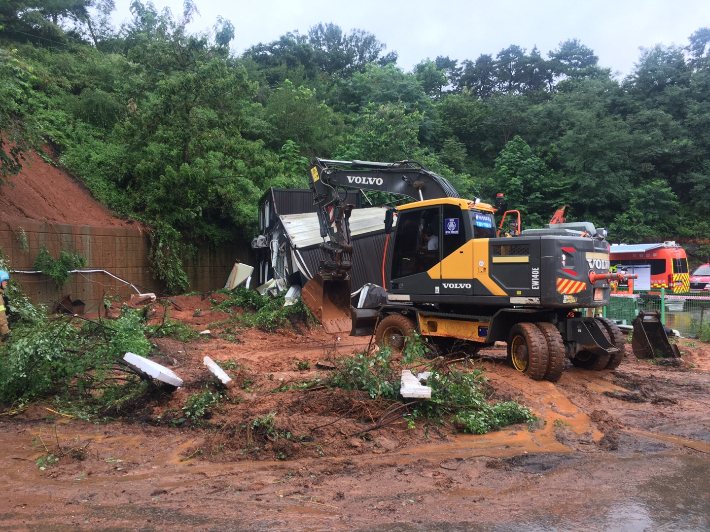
{"x":527,"y":183}
{"x":297,"y":115}
{"x":382,"y":133}
{"x":431,"y":77}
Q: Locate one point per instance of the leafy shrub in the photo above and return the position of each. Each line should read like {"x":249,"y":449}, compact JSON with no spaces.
{"x":267,"y":314}
{"x":58,"y":269}
{"x":49,"y":356}
{"x":198,"y":405}
{"x":460,"y":394}
{"x":704,"y":333}
{"x":373,"y":373}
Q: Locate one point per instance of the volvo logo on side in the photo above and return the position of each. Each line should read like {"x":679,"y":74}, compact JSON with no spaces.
{"x":456,"y":285}
{"x":598,"y":264}
{"x":360,"y":180}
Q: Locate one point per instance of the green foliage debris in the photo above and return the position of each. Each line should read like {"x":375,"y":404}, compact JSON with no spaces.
{"x":58,"y":269}
{"x":458,"y":395}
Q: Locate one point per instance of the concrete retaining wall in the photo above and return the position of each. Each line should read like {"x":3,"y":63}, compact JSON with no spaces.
{"x":122,"y":251}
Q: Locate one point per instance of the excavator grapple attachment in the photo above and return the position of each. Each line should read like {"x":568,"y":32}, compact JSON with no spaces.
{"x":650,"y":339}
{"x":328,"y":299}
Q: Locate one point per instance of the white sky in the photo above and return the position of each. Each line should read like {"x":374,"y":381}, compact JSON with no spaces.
{"x":464,"y":29}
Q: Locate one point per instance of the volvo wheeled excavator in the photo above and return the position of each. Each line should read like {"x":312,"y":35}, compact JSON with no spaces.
{"x":454,"y":276}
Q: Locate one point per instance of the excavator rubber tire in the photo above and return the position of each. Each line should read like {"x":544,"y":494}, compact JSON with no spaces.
{"x":393,"y":331}
{"x":592,"y":361}
{"x":527,"y":350}
{"x":555,"y":351}
{"x":617,"y":338}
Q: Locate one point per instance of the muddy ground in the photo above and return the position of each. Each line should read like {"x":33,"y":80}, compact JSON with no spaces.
{"x":614,"y":450}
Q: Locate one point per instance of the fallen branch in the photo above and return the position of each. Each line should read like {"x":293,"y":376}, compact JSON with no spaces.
{"x":334,"y":422}
{"x":382,"y":423}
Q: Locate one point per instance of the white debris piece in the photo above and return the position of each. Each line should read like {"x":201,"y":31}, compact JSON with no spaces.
{"x":153,"y":369}
{"x":266,"y":286}
{"x":206,"y":331}
{"x":217,"y":371}
{"x":292,"y":296}
{"x":240,"y":273}
{"x":411,"y":387}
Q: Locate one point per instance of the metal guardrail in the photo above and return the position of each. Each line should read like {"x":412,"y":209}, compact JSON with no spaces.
{"x":687,"y":313}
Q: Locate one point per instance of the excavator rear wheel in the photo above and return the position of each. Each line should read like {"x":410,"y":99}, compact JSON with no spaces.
{"x":527,"y":350}
{"x":555,"y":351}
{"x":393,"y":331}
{"x":589,"y":360}
{"x":616,"y":337}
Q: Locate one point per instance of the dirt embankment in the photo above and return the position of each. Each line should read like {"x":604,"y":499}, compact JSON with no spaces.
{"x":612,"y":449}
{"x":44,"y":192}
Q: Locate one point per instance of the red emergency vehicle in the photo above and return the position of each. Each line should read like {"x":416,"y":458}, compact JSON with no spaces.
{"x":669,"y":264}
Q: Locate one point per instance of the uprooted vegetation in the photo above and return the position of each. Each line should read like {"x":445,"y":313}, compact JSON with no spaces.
{"x":284,"y":408}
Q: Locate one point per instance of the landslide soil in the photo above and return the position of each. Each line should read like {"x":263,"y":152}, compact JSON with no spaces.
{"x":607,"y":444}
{"x":45,"y":192}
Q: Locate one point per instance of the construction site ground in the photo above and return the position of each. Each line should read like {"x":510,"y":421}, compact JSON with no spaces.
{"x":614,"y":450}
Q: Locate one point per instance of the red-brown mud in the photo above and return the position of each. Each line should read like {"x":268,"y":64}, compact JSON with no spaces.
{"x":48,"y":193}
{"x":610,"y":446}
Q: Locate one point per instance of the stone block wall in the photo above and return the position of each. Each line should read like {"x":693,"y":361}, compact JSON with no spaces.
{"x":122,"y":251}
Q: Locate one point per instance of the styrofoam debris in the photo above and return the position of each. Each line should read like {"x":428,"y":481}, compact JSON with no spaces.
{"x":148,"y":296}
{"x":265,"y":287}
{"x":240,"y":273}
{"x":206,"y":331}
{"x":217,"y":371}
{"x":153,"y":369}
{"x":292,"y":296}
{"x":412,"y":388}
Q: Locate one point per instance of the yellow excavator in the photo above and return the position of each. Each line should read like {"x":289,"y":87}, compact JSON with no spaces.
{"x":454,"y":276}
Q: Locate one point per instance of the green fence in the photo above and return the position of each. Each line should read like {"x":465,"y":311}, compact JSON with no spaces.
{"x":686,"y":313}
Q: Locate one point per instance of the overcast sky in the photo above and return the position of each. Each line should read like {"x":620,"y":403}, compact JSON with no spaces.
{"x":417,"y":29}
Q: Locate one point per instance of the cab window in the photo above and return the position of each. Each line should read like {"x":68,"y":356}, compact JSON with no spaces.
{"x":416,"y":246}
{"x":483,"y":224}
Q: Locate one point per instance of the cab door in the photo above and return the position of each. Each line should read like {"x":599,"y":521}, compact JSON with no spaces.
{"x":416,"y":258}
{"x":457,"y":261}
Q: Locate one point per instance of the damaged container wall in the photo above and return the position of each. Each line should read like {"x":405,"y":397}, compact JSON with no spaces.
{"x":367,"y":259}
{"x":281,"y":201}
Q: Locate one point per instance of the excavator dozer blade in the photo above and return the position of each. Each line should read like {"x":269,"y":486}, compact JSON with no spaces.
{"x":650,"y":339}
{"x":329,"y":301}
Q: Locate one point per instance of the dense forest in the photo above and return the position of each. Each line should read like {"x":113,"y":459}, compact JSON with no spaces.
{"x":169,"y":127}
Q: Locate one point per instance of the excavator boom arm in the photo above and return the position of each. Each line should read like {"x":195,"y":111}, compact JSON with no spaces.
{"x":327,"y":295}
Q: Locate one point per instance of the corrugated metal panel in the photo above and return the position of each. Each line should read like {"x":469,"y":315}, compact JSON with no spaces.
{"x":284,"y":201}
{"x":304,"y":230}
{"x":367,"y":259}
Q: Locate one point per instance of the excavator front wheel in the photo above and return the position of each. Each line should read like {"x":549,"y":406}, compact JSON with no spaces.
{"x":527,"y":350}
{"x":393,"y":331}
